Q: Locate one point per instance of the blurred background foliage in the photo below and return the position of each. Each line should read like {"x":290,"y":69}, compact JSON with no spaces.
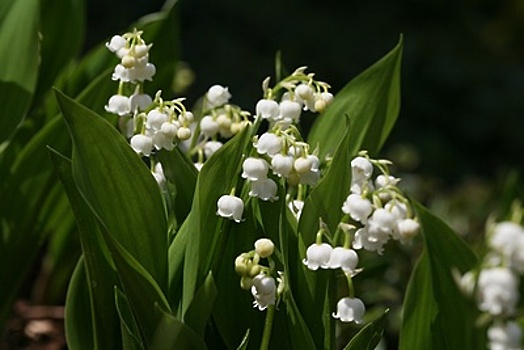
{"x":462,"y":117}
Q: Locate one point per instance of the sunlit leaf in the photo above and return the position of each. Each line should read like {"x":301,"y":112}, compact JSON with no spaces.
{"x":371,"y":101}
{"x":435,"y":314}
{"x":19,"y":54}
{"x":111,"y":177}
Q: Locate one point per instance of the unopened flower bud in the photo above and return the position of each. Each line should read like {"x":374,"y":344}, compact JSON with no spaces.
{"x":302,"y":165}
{"x":246,"y":283}
{"x":183,"y":133}
{"x":128,"y":61}
{"x":254,"y":270}
{"x":264,"y":247}
{"x":240,"y":265}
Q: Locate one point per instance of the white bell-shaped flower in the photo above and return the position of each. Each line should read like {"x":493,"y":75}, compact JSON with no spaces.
{"x":268,"y":109}
{"x":230,"y":207}
{"x":269,"y":143}
{"x":357,"y":207}
{"x":255,"y":169}
{"x":318,"y":255}
{"x":264,"y":291}
{"x":118,"y":104}
{"x":349,"y":310}
{"x":310,"y":178}
{"x":305,"y":92}
{"x":121,"y":73}
{"x":290,"y":111}
{"x":116,"y":43}
{"x":407,"y":229}
{"x":361,"y":169}
{"x":370,"y":242}
{"x":208,"y":126}
{"x":155,"y":119}
{"x":169,"y":130}
{"x":210,"y":147}
{"x":505,"y":336}
{"x":217,"y":95}
{"x":140,"y":102}
{"x":497,"y":290}
{"x":504,"y":236}
{"x":282,"y":164}
{"x":142,"y":144}
{"x":161,"y":141}
{"x":146,"y":72}
{"x":265,"y":189}
{"x":344,"y":258}
{"x":383,"y":181}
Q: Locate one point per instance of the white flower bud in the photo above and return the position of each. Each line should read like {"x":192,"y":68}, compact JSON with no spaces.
{"x":361,"y":169}
{"x":264,"y":247}
{"x":408,"y":228}
{"x":128,"y":61}
{"x":140,"y":102}
{"x":302,"y":165}
{"x":169,"y":130}
{"x":183,"y":133}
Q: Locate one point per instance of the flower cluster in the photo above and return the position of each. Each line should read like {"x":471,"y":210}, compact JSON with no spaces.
{"x":378,"y":206}
{"x":258,"y":278}
{"x":495,"y":285}
{"x":376,"y":210}
{"x":134,"y":68}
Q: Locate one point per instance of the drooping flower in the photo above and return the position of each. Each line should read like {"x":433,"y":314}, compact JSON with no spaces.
{"x":318,"y":255}
{"x":230,"y":207}
{"x":344,"y":258}
{"x":118,"y":104}
{"x":255,"y":169}
{"x":282,"y":164}
{"x":142,"y":144}
{"x":505,"y":336}
{"x":357,"y":207}
{"x":497,"y":290}
{"x":349,"y":310}
{"x":268,"y":109}
{"x":264,"y":291}
{"x":265,"y":189}
{"x":269,"y":143}
{"x":217,"y":95}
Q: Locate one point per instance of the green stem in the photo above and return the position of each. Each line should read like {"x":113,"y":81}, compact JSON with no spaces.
{"x":268,"y":325}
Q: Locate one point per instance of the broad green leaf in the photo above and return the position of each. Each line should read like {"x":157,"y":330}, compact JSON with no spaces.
{"x":371,"y":101}
{"x":199,"y":311}
{"x":216,"y":178}
{"x":182,"y":173}
{"x":56,"y":54}
{"x":111,"y":177}
{"x":19,"y":54}
{"x":143,"y":293}
{"x":99,"y":273}
{"x":436,"y":315}
{"x":78,"y":318}
{"x":131,"y":338}
{"x":324,"y":201}
{"x":27,"y":179}
{"x":175,"y":335}
{"x":369,"y":336}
